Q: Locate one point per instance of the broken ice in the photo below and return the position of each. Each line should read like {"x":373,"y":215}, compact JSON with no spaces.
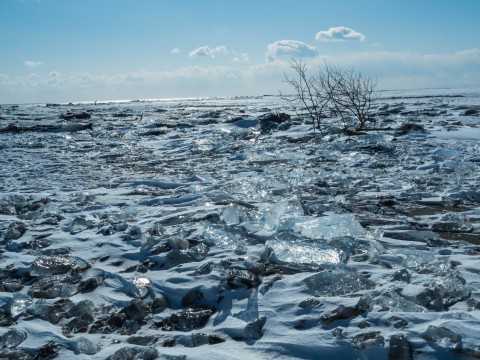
{"x":305,"y":252}
{"x":140,"y":287}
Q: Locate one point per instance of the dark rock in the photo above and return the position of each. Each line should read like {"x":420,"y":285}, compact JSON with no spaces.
{"x":241,"y":278}
{"x":186,"y":320}
{"x":83,"y":307}
{"x":309,"y":303}
{"x":142,"y":340}
{"x":470,"y":112}
{"x":409,"y":127}
{"x":362,"y":341}
{"x":78,"y":324}
{"x":116,"y":321}
{"x":198,"y":339}
{"x":397,"y":323}
{"x":254,"y":329}
{"x":364,"y":324}
{"x":170,"y":343}
{"x":344,"y":312}
{"x":15,"y":231}
{"x":79,"y":116}
{"x":271,"y":121}
{"x":215,"y":339}
{"x":192,"y":298}
{"x":159,"y":303}
{"x":89,"y":285}
{"x":137,"y":310}
{"x":402,"y":275}
{"x":125,"y":353}
{"x":48,"y":351}
{"x":400,"y":348}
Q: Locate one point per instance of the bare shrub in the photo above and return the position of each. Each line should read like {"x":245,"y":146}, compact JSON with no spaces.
{"x":341,"y":92}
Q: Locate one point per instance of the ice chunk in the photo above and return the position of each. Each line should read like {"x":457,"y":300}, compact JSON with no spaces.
{"x":231,"y":215}
{"x":326,"y":227}
{"x":12,"y":338}
{"x":439,"y":333}
{"x":19,"y":304}
{"x":87,"y":347}
{"x":305,"y":252}
{"x":50,"y":265}
{"x":51,"y":287}
{"x":414,"y":257}
{"x":394,"y":302}
{"x":140,"y":287}
{"x":79,"y":224}
{"x":340,"y":280}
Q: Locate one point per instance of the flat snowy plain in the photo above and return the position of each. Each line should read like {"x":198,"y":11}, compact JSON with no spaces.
{"x":217,"y":228}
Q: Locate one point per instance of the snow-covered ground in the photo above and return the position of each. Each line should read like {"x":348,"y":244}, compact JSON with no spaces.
{"x":203,"y":229}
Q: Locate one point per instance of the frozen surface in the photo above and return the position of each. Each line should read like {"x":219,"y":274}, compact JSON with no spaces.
{"x":219,"y":228}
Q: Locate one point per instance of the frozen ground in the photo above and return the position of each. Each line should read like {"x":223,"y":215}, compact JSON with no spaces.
{"x":203,"y":229}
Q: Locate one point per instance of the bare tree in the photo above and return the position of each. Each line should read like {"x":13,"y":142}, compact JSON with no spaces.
{"x":309,"y":94}
{"x":350,"y":93}
{"x":337,"y":91}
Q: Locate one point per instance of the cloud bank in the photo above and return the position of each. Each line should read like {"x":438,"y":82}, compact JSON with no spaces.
{"x":340,"y":33}
{"x":393,"y":70}
{"x":207,"y":51}
{"x":291,"y":48}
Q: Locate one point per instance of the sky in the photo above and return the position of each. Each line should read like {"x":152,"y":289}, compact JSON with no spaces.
{"x":87,"y":50}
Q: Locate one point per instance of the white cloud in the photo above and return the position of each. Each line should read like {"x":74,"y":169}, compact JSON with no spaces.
{"x":289,"y":48}
{"x":207,"y":51}
{"x":175,"y":51}
{"x":240,"y":57}
{"x":32,"y":63}
{"x":340,"y":33}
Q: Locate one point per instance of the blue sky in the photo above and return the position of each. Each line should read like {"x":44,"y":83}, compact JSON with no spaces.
{"x":80,"y":50}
